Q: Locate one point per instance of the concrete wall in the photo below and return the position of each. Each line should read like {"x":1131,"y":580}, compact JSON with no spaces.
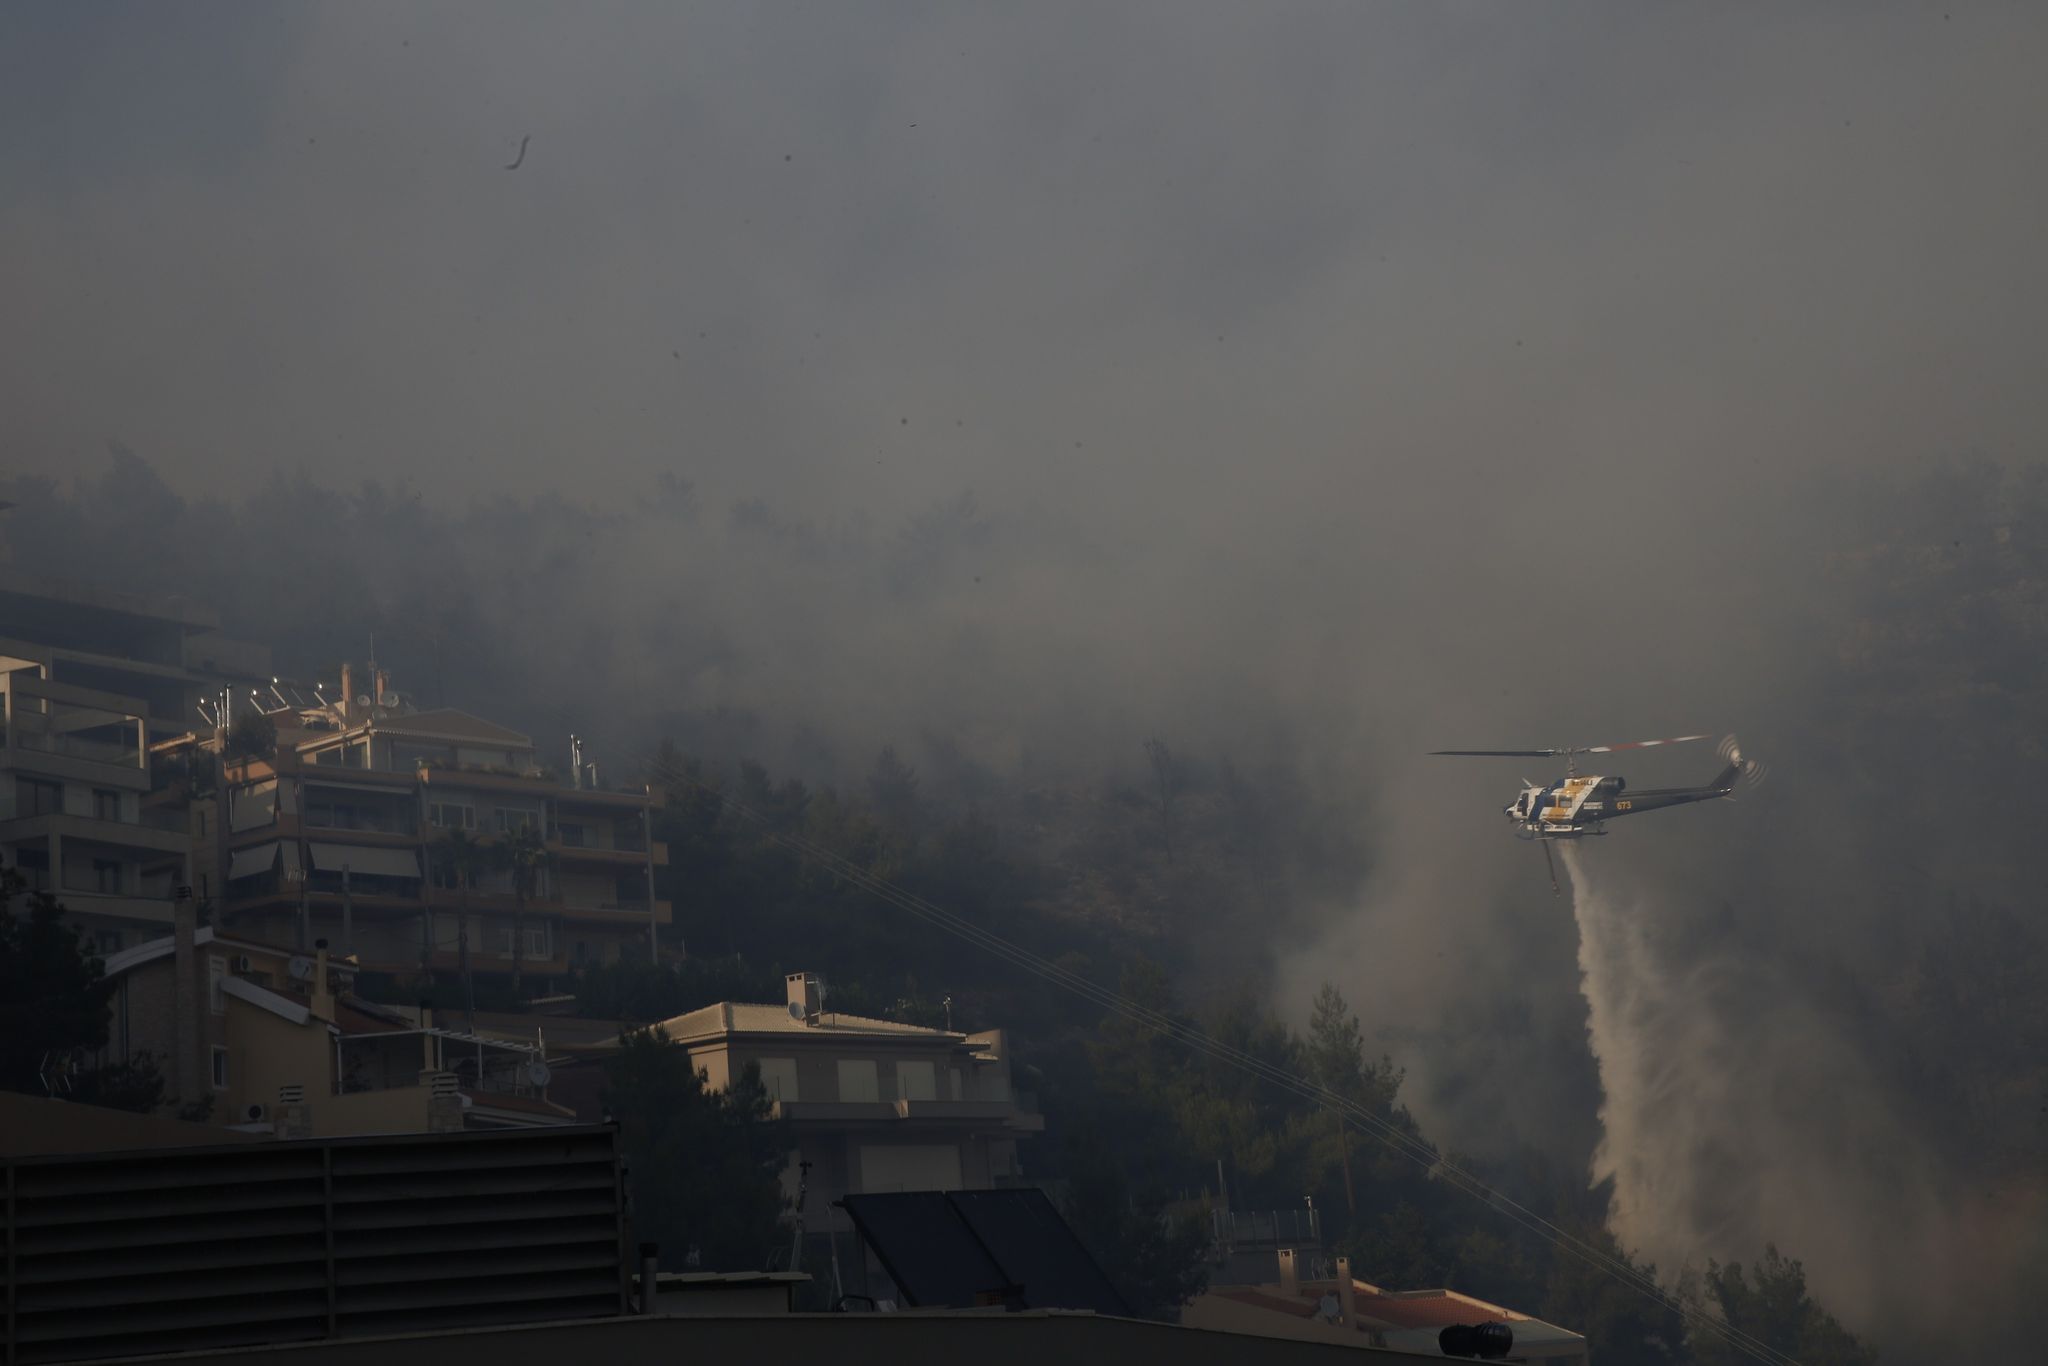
{"x":399,"y":1111}
{"x":984,"y":1338}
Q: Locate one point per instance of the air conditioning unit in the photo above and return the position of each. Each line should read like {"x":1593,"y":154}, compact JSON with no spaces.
{"x":256,"y":1113}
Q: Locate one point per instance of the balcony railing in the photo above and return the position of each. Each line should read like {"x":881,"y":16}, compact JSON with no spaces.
{"x":1266,"y":1228}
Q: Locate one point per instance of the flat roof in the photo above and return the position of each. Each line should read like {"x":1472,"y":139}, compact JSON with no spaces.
{"x":72,"y":594}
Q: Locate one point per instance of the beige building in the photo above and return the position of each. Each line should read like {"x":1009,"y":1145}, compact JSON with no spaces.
{"x":89,"y":681}
{"x":872,"y":1105}
{"x":346,"y":831}
{"x":280,"y":1046}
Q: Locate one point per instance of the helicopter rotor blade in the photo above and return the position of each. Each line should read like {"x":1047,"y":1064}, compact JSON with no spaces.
{"x":1503,"y":753}
{"x":1640,"y":744}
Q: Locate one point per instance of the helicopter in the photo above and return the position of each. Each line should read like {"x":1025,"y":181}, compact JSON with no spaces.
{"x":1578,"y":805}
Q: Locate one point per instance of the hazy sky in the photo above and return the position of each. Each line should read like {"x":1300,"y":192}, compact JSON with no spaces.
{"x":1191,"y":262}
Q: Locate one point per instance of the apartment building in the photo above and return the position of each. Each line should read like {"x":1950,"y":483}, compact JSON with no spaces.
{"x":872,"y":1105}
{"x":164,"y":652}
{"x":386,"y":829}
{"x":74,"y":816}
{"x":281,"y":1046}
{"x":89,"y":681}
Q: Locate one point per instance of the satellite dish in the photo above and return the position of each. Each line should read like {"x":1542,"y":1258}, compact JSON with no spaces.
{"x":796,"y":1010}
{"x":537,"y":1072}
{"x":300,"y":968}
{"x":362,"y":699}
{"x":389,"y":699}
{"x":380,"y":713}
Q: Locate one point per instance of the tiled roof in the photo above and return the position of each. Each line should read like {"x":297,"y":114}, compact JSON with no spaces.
{"x":1376,"y":1309}
{"x":529,"y":1105}
{"x":737,"y":1017}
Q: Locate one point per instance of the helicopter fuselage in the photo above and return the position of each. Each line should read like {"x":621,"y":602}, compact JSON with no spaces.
{"x":1580,"y":804}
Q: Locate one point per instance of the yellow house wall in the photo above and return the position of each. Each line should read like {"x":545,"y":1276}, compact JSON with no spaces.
{"x":266,"y":1052}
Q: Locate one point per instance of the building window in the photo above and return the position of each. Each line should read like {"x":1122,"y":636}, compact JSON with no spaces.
{"x":34,"y":797}
{"x":200,"y":813}
{"x":106,"y":804}
{"x":33,"y":863}
{"x":510,"y":821}
{"x":216,"y":999}
{"x":107,"y":942}
{"x":220,"y":1068}
{"x":916,"y":1081}
{"x":106,"y":877}
{"x":451,"y":815}
{"x":570,"y":835}
{"x":536,"y":941}
{"x":857,"y":1080}
{"x":778,"y":1077}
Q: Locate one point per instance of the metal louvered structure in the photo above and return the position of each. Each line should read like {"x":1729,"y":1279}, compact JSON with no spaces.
{"x":111,"y":1254}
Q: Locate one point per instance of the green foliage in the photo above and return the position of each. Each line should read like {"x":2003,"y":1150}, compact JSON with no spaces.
{"x":1771,"y":1305}
{"x":1624,"y":1324}
{"x":643,"y":992}
{"x":706,"y":1164}
{"x":1157,"y":1261}
{"x":251,"y":736}
{"x":53,"y":997}
{"x":137,"y":1085}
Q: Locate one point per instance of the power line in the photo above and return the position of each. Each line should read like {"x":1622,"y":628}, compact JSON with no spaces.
{"x":1388,"y":1133}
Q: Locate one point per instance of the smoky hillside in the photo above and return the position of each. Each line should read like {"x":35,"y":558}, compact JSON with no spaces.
{"x":1239,"y":794}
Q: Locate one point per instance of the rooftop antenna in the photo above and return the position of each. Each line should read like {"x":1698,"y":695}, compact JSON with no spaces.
{"x":948,"y":1004}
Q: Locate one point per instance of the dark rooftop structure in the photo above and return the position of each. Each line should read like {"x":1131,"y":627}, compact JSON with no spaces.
{"x":969,"y":1249}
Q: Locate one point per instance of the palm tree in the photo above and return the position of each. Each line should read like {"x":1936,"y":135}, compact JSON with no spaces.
{"x":464,"y":855}
{"x":525,"y":853}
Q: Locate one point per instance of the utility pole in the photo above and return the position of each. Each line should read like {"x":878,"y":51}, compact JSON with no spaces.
{"x":647,"y":838}
{"x":298,"y":876}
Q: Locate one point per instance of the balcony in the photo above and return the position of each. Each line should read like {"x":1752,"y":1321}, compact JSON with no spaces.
{"x":69,"y":731}
{"x":579,"y":908}
{"x":122,"y":835}
{"x":624,"y":855}
{"x":970,"y":1114}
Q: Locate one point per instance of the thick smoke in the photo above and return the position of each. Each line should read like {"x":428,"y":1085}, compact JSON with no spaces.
{"x":1734,"y":1113}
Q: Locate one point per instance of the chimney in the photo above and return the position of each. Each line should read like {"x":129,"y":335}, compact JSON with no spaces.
{"x":348,"y":691}
{"x":322,"y":1004}
{"x":650,"y":1276}
{"x":1290,"y":1281}
{"x":1347,"y":1293}
{"x":804,"y":997}
{"x":427,"y":1022}
{"x":189,"y":1077}
{"x":382,"y":679}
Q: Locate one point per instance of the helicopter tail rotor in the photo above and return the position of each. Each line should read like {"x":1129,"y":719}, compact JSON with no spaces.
{"x":1752,"y":772}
